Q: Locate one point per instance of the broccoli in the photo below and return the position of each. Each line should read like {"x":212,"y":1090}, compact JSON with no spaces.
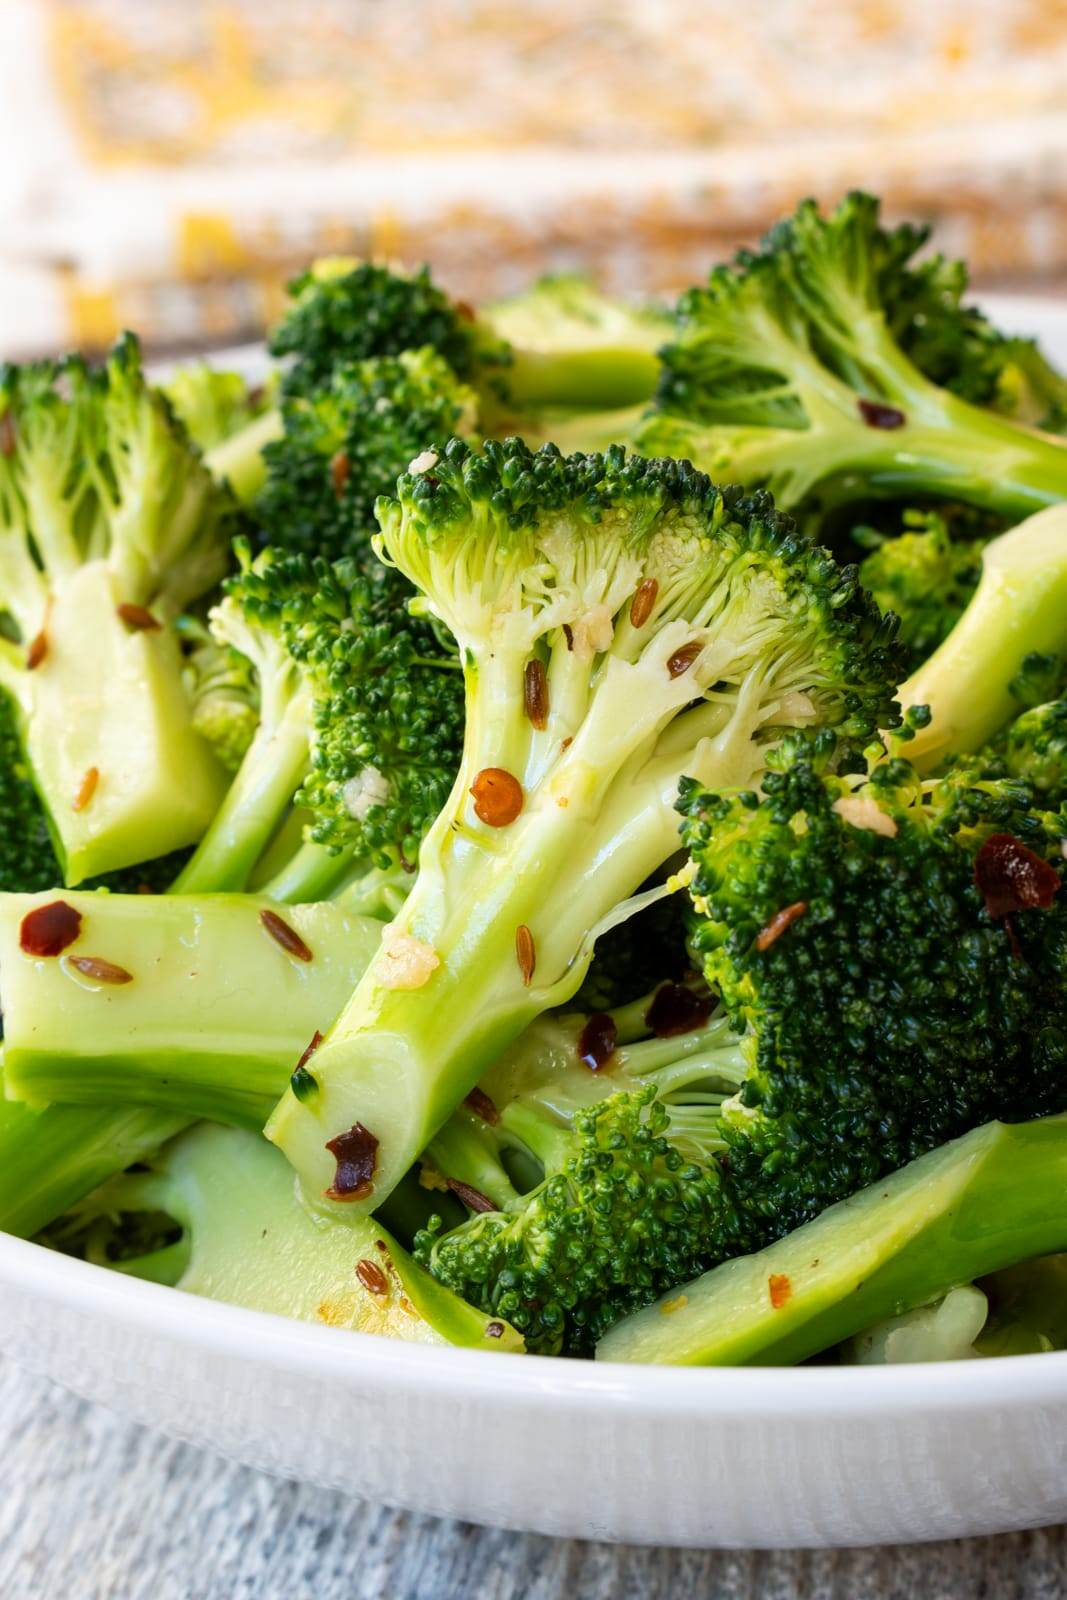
{"x":215,"y":1214}
{"x":222,"y":686}
{"x":816,"y":367}
{"x":892,"y":950}
{"x":1005,"y":650}
{"x":975,"y":1206}
{"x":214,"y":405}
{"x":621,"y":622}
{"x":1035,"y":749}
{"x":925,"y":575}
{"x":360,"y":716}
{"x":109,"y":526}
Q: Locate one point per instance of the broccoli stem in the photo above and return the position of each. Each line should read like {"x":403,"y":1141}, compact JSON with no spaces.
{"x":1019,"y":607}
{"x":239,"y":461}
{"x":212,"y":1022}
{"x":984,"y":1202}
{"x":51,"y":1159}
{"x":593,"y":378}
{"x":312,"y":873}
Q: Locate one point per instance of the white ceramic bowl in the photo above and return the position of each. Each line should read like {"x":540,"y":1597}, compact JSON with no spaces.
{"x":732,"y":1457}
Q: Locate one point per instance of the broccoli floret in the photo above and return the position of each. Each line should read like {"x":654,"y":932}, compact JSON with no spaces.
{"x":892,"y":952}
{"x":359,"y":720}
{"x":814,"y":367}
{"x":109,"y":526}
{"x":215,"y":1214}
{"x":620,"y":622}
{"x":214,"y":405}
{"x":1006,"y":649}
{"x":926,"y":577}
{"x":1035,"y":749}
{"x":347,"y":440}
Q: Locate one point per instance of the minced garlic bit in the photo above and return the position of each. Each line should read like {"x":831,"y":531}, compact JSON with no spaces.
{"x":593,"y":633}
{"x":796,"y":704}
{"x":404,"y":962}
{"x":862,"y":811}
{"x":367,"y":789}
{"x":676,"y":1304}
{"x":430,"y":1178}
{"x":423,"y":462}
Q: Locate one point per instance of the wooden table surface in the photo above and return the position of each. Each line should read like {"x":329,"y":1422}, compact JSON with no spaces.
{"x":92,"y":1508}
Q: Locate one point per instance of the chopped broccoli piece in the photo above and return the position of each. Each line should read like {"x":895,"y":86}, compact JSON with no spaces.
{"x":109,"y":526}
{"x":926,"y":576}
{"x":621,"y":622}
{"x":815,"y":367}
{"x":242,"y":1236}
{"x":1035,"y":749}
{"x":214,"y":405}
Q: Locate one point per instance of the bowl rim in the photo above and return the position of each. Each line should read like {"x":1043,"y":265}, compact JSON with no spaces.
{"x":445,"y":1371}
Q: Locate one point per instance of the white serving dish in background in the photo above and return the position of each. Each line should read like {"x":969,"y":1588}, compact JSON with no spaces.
{"x":728,"y":1457}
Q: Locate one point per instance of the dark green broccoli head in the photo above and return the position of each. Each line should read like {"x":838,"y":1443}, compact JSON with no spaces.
{"x":346,"y":442}
{"x":892,"y":951}
{"x":346,"y":311}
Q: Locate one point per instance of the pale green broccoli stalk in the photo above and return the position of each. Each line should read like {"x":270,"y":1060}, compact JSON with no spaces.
{"x":109,"y":526}
{"x":1017,"y":614}
{"x":982,"y":1203}
{"x":621,"y":622}
{"x":213,"y":404}
{"x":816,"y":366}
{"x":200,"y":1005}
{"x":240,"y":461}
{"x":237,"y":1232}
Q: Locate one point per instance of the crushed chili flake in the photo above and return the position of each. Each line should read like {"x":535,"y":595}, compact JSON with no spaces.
{"x":38,"y":649}
{"x":779,"y":1288}
{"x":464,"y":309}
{"x":1011,"y":878}
{"x":103,"y":971}
{"x":683,"y":659}
{"x":356,"y":1154}
{"x":472,"y":1198}
{"x":644,"y":599}
{"x":284,"y":935}
{"x":86,"y":789}
{"x":568,"y":634}
{"x":372,"y":1277}
{"x":304,"y":1083}
{"x":309,"y":1050}
{"x":498,"y":797}
{"x":878,"y":415}
{"x":597,"y":1041}
{"x":778,"y":924}
{"x":8,"y":434}
{"x":525,"y":953}
{"x":139,"y":618}
{"x":494,"y":1330}
{"x":340,"y":467}
{"x":480,"y":1103}
{"x":535,"y":693}
{"x":676,"y":1009}
{"x":49,"y":930}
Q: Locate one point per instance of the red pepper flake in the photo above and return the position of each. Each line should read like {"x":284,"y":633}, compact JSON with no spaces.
{"x":525,"y":953}
{"x":494,"y":1330}
{"x":643,"y":601}
{"x":480,"y":1103}
{"x":49,"y":930}
{"x":86,"y":789}
{"x":683,"y":659}
{"x":103,"y":971}
{"x":309,"y":1051}
{"x":596,"y":1043}
{"x":1011,"y":878}
{"x":498,"y":797}
{"x":356,"y":1154}
{"x":568,"y":634}
{"x":138,"y":618}
{"x":878,"y":415}
{"x":779,"y":923}
{"x":372,"y":1277}
{"x":283,"y":934}
{"x":535,"y":693}
{"x":676,"y":1009}
{"x":8,"y":434}
{"x":779,"y":1288}
{"x":464,"y":309}
{"x":38,"y":649}
{"x":472,"y":1198}
{"x":340,"y":467}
